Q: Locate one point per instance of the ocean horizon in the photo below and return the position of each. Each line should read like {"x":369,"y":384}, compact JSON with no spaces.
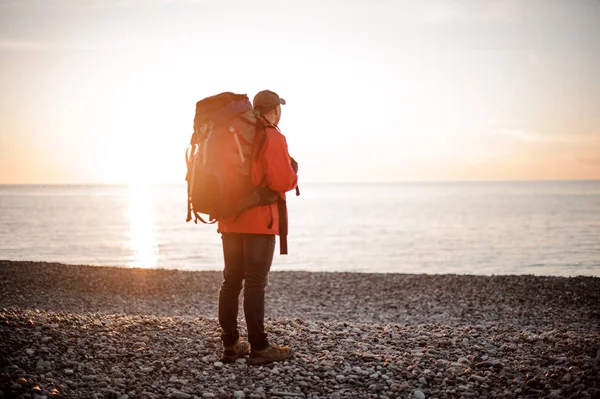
{"x":543,"y":227}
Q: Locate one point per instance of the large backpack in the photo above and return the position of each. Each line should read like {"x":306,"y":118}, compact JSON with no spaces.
{"x":226,"y":140}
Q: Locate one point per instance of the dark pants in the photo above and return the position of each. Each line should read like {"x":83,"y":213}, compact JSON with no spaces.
{"x":247,"y":257}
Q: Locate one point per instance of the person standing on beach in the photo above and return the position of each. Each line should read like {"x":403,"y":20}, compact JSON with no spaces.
{"x":249,"y":244}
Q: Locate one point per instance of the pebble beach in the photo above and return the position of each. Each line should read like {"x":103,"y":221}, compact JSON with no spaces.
{"x":69,"y":331}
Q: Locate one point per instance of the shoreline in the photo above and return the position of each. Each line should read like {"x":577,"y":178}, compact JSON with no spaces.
{"x":279,"y":268}
{"x":110,"y":332}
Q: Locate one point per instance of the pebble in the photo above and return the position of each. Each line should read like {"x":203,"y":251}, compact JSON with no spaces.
{"x":180,"y":395}
{"x":43,"y":365}
{"x":238,"y":394}
{"x":418,"y":394}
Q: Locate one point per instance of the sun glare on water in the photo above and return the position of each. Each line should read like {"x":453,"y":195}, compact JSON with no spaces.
{"x":142,"y":240}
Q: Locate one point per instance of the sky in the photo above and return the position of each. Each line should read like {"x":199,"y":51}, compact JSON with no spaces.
{"x":103,"y":91}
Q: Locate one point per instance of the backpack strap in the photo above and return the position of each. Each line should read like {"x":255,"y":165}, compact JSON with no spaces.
{"x":198,"y":217}
{"x":263,"y":124}
{"x":283,"y":225}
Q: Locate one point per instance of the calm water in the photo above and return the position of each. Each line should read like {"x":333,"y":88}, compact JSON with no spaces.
{"x":542,"y":228}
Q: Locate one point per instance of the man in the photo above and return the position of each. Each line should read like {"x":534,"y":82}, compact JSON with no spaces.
{"x":249,"y":244}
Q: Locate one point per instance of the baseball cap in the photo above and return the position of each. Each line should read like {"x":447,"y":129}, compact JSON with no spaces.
{"x":266,"y":100}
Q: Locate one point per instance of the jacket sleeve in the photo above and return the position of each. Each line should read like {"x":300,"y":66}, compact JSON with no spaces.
{"x":279,"y":174}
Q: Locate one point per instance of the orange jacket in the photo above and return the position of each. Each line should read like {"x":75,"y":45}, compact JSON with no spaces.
{"x":273,"y":168}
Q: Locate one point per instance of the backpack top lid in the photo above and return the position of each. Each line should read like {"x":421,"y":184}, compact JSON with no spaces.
{"x":221,"y":108}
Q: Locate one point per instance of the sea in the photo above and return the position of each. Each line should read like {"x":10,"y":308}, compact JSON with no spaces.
{"x":547,"y":228}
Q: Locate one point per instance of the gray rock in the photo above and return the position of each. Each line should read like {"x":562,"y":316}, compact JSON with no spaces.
{"x":418,"y":394}
{"x":180,"y":395}
{"x":43,"y":365}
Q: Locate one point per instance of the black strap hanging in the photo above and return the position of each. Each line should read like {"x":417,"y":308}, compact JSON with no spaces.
{"x":283,"y":225}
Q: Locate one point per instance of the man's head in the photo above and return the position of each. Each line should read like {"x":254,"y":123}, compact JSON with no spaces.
{"x":268,"y":104}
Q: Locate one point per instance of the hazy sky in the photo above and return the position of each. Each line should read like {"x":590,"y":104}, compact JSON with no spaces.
{"x":104,"y":91}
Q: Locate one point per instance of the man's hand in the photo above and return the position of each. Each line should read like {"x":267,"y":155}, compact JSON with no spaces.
{"x":294,"y":165}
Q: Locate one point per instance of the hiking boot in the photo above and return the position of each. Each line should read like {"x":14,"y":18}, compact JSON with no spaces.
{"x":235,"y":351}
{"x":270,"y":354}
